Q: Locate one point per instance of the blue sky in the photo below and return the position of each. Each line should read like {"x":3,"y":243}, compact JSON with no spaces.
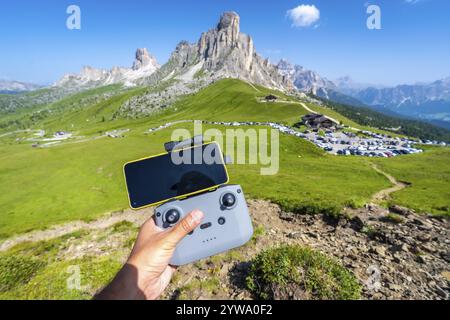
{"x":412,"y":46}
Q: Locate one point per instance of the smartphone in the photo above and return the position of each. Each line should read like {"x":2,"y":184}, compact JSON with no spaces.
{"x":174,"y":175}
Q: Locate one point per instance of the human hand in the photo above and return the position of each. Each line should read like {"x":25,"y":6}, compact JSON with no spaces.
{"x":147,"y":271}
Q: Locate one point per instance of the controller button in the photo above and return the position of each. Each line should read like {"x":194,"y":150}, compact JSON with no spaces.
{"x":228,"y":200}
{"x":172,"y":216}
{"x":206,"y":225}
{"x":158,"y":214}
{"x":221,"y":221}
{"x":239,"y":191}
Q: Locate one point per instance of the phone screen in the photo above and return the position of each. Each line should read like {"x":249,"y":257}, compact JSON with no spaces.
{"x":155,"y":179}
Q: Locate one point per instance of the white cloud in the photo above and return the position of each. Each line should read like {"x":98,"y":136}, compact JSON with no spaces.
{"x":304,"y":15}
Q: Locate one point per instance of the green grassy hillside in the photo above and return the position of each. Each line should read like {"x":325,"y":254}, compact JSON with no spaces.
{"x":234,"y":100}
{"x":429,"y":176}
{"x":43,"y":186}
{"x":33,"y":113}
{"x":83,"y":180}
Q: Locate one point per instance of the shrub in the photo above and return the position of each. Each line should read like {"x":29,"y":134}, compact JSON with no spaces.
{"x":355,"y":203}
{"x":258,"y":232}
{"x":17,"y":270}
{"x":369,"y":231}
{"x":196,"y":287}
{"x":394,"y":218}
{"x":295,"y":272}
{"x":122,"y":226}
{"x":328,"y":209}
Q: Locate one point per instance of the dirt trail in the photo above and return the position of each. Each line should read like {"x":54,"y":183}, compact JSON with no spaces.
{"x":253,"y":86}
{"x":136,"y":217}
{"x":384,"y":194}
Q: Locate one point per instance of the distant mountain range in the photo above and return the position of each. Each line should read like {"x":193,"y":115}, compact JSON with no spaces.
{"x":347,"y":86}
{"x":222,"y":52}
{"x":17,"y":86}
{"x":304,"y":79}
{"x":429,"y":101}
{"x":144,"y":65}
{"x":225,"y":52}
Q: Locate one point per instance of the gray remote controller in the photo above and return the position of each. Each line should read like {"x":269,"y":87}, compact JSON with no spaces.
{"x":226,"y":224}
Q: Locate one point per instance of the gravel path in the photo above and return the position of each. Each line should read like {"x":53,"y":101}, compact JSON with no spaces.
{"x":136,"y":217}
{"x":384,"y":194}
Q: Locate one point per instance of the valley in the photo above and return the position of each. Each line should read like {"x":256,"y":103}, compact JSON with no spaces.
{"x":86,"y":181}
{"x":343,"y":191}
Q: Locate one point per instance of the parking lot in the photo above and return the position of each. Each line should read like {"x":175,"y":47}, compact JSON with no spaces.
{"x":342,"y":142}
{"x":365,"y":143}
{"x":349,"y":143}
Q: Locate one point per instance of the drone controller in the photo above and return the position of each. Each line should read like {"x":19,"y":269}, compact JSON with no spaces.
{"x":226,"y":224}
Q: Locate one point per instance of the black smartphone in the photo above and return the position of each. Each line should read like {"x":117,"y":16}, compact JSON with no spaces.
{"x":173,"y":175}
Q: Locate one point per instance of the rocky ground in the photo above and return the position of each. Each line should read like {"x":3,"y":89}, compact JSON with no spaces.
{"x":64,"y":229}
{"x":395,"y":254}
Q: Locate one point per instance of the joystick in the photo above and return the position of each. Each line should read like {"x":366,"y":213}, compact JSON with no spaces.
{"x":228,"y":200}
{"x":172,"y":216}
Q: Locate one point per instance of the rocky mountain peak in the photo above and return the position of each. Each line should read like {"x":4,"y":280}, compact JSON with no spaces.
{"x":89,"y":72}
{"x":229,"y":20}
{"x":143,"y":59}
{"x":144,"y":65}
{"x":221,"y":52}
{"x":182,"y":45}
{"x":216,"y":43}
{"x":445,"y":81}
{"x":304,"y":79}
{"x":283,"y":64}
{"x":228,"y":26}
{"x":229,"y":53}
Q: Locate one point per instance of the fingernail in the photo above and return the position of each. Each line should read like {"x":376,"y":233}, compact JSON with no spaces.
{"x":197,"y":215}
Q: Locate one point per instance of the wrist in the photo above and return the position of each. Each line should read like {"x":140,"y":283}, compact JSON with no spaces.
{"x":144,"y":279}
{"x":125,"y":286}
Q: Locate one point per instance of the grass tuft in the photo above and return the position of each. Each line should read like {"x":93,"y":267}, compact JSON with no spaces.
{"x":294,"y":272}
{"x":394,"y":218}
{"x":17,"y":270}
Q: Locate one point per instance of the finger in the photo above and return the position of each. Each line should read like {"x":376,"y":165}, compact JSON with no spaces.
{"x":185,"y":226}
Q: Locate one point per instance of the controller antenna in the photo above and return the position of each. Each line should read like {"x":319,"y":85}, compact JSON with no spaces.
{"x":176,"y":145}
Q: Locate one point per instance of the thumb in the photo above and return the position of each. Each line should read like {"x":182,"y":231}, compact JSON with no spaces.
{"x":185,"y":226}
